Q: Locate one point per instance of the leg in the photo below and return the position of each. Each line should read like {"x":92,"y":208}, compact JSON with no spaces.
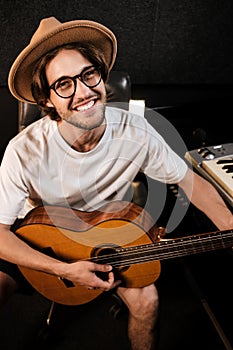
{"x":143,"y":305}
{"x":11,"y":280}
{"x":7,"y":287}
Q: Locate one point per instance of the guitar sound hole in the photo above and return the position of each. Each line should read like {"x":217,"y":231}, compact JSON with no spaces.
{"x":105,"y":254}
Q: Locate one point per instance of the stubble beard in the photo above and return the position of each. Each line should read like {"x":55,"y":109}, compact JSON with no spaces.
{"x":90,"y":121}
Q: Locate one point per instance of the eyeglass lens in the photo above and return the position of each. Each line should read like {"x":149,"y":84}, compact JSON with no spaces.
{"x":65,"y":87}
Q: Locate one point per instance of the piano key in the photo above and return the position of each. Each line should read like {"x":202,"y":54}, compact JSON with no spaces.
{"x":221,"y":170}
{"x":224,"y":161}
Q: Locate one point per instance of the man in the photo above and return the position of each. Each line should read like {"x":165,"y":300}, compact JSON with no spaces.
{"x":82,"y":155}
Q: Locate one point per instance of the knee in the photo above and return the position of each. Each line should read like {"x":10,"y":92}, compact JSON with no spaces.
{"x":148,"y":301}
{"x":7,"y":287}
{"x":145,"y":303}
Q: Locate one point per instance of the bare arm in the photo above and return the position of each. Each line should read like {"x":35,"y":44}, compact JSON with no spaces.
{"x":16,"y":251}
{"x":206,"y":198}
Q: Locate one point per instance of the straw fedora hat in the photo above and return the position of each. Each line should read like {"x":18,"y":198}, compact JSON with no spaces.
{"x":50,"y":34}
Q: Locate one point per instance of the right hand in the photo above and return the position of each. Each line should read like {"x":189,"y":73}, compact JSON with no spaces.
{"x":85,"y":273}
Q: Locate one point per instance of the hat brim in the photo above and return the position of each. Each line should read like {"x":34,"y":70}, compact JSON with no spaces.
{"x":20,"y":75}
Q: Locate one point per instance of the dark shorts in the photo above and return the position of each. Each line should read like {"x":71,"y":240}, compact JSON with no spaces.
{"x":13,"y":271}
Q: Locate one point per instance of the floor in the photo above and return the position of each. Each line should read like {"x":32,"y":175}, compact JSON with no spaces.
{"x":195,"y":312}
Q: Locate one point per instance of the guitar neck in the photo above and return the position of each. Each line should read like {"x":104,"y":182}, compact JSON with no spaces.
{"x":122,"y":235}
{"x":169,"y":248}
{"x":196,"y":244}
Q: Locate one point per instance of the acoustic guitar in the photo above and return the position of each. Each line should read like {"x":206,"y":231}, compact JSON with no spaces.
{"x":121,"y":234}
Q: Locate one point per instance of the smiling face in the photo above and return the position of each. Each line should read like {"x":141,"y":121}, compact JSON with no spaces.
{"x":85,"y":109}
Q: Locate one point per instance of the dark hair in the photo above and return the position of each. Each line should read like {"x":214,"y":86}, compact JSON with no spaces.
{"x":40,"y":87}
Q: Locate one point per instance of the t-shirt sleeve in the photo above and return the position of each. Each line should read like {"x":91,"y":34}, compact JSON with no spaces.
{"x":13,"y":191}
{"x":162,"y":162}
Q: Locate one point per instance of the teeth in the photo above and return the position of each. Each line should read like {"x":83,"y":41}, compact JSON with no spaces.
{"x":86,"y":106}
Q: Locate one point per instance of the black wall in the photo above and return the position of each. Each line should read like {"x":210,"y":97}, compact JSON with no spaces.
{"x":160,"y":41}
{"x":175,"y":51}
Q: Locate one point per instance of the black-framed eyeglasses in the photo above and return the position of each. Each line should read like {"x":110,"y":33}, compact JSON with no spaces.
{"x":65,"y":86}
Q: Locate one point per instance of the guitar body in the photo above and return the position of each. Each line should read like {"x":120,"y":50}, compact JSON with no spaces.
{"x":121,"y":234}
{"x":71,"y":235}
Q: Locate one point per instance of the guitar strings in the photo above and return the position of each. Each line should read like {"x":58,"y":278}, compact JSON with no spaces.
{"x":164,"y":249}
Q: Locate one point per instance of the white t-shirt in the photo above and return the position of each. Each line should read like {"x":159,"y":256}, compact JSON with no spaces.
{"x":40,"y":168}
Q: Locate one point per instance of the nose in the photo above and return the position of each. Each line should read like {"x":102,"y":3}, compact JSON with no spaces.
{"x":81,"y":90}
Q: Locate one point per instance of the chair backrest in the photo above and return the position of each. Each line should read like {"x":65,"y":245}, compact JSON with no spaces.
{"x":118,"y":90}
